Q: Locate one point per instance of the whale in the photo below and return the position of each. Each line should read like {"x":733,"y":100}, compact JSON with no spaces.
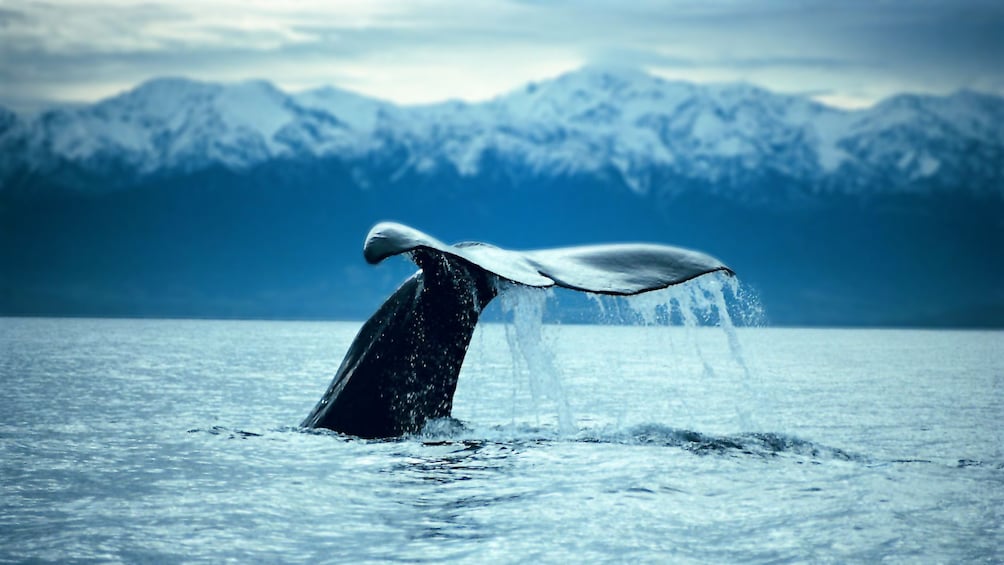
{"x":402,"y":368}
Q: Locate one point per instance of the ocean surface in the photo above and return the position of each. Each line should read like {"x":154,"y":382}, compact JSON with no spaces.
{"x":169,"y":441}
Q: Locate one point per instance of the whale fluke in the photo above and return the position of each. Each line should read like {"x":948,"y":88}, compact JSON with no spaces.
{"x":401,"y":370}
{"x":618,"y":269}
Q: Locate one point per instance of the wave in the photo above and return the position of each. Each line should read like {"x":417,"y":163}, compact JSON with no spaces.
{"x":450,"y":430}
{"x":763,"y":445}
{"x":760,"y":444}
{"x":755,"y":444}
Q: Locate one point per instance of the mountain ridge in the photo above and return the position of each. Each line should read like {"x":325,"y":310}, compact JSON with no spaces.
{"x":640,"y":125}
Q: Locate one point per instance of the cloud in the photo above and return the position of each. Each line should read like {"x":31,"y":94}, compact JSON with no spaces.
{"x":426,"y":50}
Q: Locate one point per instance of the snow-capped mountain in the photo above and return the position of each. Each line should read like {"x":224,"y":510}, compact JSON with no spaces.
{"x":175,"y":124}
{"x":642,"y":128}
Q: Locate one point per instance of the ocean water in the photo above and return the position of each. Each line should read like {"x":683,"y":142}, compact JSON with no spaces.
{"x":176,"y":441}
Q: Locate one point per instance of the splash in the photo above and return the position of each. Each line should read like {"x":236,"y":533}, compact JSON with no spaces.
{"x":705,"y":301}
{"x":532,"y":359}
{"x":692,"y":322}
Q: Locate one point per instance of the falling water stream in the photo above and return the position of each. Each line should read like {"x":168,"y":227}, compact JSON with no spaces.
{"x":531,"y":356}
{"x":683,"y":310}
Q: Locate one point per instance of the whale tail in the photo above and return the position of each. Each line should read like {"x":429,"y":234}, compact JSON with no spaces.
{"x":401,"y":370}
{"x":617,"y":269}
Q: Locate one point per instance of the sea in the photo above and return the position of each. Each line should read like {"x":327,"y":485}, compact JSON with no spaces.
{"x":178,"y":441}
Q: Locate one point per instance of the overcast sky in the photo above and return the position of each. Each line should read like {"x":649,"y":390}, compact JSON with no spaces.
{"x":845,"y":52}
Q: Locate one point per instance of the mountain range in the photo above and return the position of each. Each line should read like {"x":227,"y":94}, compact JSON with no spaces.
{"x":186,"y":198}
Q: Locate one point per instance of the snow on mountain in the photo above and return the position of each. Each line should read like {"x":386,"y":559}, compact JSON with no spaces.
{"x":167,"y":124}
{"x":359,"y":112}
{"x":587,"y":120}
{"x":955,"y":137}
{"x":629,"y":121}
{"x":596,"y":119}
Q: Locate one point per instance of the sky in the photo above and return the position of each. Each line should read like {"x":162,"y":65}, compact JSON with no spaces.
{"x":848,"y":53}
